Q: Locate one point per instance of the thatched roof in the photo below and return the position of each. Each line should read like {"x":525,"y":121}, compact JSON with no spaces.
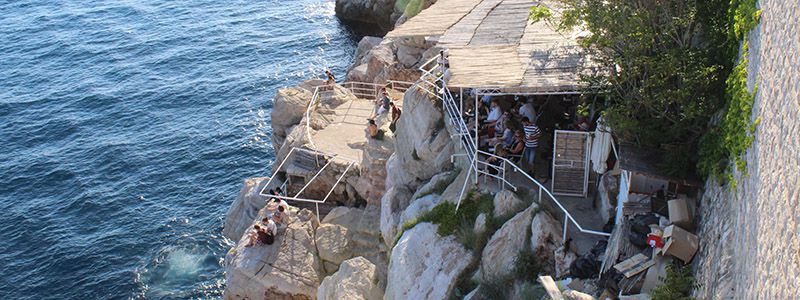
{"x":494,"y":45}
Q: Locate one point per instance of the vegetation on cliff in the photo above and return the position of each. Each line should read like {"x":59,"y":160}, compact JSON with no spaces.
{"x":669,"y":69}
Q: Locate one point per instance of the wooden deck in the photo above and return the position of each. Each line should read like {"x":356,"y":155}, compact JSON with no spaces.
{"x":492,"y":44}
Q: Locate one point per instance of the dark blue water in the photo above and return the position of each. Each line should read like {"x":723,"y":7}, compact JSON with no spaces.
{"x":126,"y":129}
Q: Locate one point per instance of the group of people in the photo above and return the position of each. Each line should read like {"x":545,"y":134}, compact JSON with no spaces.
{"x":509,"y":133}
{"x":383,"y":105}
{"x":266,"y":231}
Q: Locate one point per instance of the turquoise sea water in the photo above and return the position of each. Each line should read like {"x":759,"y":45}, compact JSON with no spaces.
{"x":126,"y":129}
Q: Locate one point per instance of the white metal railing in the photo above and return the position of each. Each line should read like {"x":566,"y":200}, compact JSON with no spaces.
{"x":433,"y":77}
{"x":362,"y":91}
{"x":296,"y":197}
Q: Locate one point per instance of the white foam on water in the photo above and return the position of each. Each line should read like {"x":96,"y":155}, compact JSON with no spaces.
{"x":181,"y":263}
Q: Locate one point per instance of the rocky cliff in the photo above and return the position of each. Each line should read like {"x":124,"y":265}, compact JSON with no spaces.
{"x":378,"y":16}
{"x":409,"y":242}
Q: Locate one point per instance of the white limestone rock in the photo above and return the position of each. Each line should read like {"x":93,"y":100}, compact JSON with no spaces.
{"x":545,"y":232}
{"x":333,"y":243}
{"x":422,"y":145}
{"x":357,"y":279}
{"x":287,"y":269}
{"x":435,"y":185}
{"x":358,"y":73}
{"x":365,"y":45}
{"x":424,"y":265}
{"x":563,"y":259}
{"x":288,"y":109}
{"x":417,"y":208}
{"x":409,"y":56}
{"x":244,"y":209}
{"x":378,"y":59}
{"x":480,"y":223}
{"x":506,"y":202}
{"x":504,"y":246}
{"x":393,"y":204}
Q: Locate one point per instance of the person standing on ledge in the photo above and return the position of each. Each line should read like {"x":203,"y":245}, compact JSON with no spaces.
{"x":532,"y":135}
{"x":395,"y":116}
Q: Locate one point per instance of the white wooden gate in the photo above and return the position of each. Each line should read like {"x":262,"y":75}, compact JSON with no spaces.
{"x":571,"y":152}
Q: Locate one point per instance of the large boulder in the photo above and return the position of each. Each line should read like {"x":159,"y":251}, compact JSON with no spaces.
{"x":288,"y":109}
{"x":504,"y":246}
{"x":379,"y":58}
{"x":424,"y":265}
{"x":393,"y":203}
{"x":357,"y":279}
{"x":422,"y":145}
{"x":545,"y":232}
{"x":367,"y":14}
{"x":505,"y":203}
{"x":417,"y":208}
{"x":244,"y":209}
{"x":287,"y":269}
{"x":546,"y":242}
{"x":333,"y":243}
{"x":362,"y":234}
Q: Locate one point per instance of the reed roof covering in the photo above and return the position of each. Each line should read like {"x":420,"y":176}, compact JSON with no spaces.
{"x":494,"y":45}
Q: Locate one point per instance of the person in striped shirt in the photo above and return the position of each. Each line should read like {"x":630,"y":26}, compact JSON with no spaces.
{"x":532,"y":135}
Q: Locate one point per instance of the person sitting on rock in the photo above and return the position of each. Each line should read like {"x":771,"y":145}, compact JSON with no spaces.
{"x":373,"y":131}
{"x":331,"y":79}
{"x":274,"y":202}
{"x":278,"y":215}
{"x":270,"y":226}
{"x":255,"y":236}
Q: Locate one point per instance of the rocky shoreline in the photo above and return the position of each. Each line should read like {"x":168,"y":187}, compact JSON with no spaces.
{"x":377,"y":245}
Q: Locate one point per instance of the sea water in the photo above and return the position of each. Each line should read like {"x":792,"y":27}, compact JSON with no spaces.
{"x":127,"y":128}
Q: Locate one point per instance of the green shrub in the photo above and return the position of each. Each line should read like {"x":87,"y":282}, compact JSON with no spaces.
{"x":496,"y":288}
{"x":672,"y":67}
{"x":727,"y":142}
{"x":527,"y":266}
{"x":531,"y":291}
{"x":413,"y":8}
{"x":677,"y":285}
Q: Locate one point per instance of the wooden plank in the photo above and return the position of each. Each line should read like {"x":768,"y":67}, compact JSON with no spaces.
{"x":550,"y":286}
{"x":634,"y":265}
{"x":436,"y":19}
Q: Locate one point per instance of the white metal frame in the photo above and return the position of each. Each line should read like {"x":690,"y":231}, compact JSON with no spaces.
{"x":331,"y":158}
{"x":586,"y":158}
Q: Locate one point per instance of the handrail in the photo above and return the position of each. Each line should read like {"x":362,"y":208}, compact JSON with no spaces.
{"x":469,"y":145}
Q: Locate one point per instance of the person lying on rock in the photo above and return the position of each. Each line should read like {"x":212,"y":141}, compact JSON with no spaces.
{"x":373,"y":131}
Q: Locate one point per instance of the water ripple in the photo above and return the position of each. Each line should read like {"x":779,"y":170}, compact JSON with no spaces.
{"x":126,"y":129}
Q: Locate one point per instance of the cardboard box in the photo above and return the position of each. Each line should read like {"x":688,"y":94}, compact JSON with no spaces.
{"x":680,"y":243}
{"x":679,"y":213}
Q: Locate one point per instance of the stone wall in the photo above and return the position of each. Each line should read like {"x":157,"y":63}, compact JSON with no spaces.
{"x":750,"y":239}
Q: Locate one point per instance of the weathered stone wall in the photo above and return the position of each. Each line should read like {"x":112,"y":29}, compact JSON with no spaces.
{"x":750,"y":239}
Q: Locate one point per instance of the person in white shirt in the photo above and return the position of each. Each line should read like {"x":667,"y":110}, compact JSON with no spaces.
{"x":270,"y":226}
{"x":527,"y":110}
{"x":495,"y":112}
